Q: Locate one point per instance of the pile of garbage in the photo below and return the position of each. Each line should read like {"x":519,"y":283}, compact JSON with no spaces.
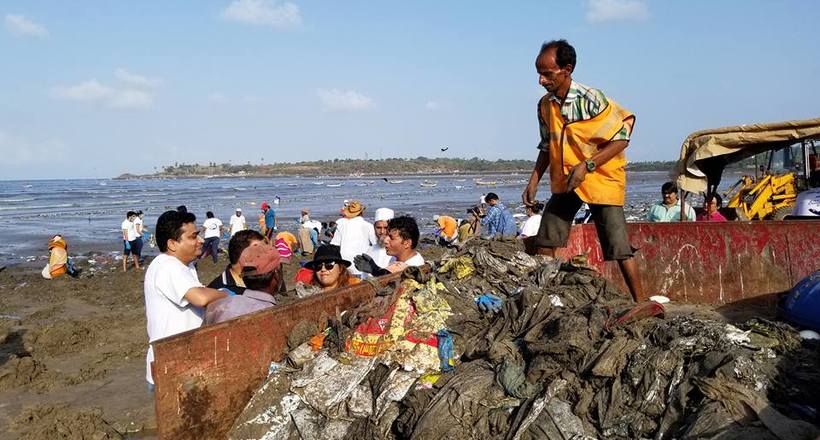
{"x":496,"y":344}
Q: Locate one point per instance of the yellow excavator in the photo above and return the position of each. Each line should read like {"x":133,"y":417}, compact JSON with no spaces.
{"x":785,"y":185}
{"x":770,"y":196}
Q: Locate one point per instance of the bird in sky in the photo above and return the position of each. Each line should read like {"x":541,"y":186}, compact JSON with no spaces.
{"x":445,"y":148}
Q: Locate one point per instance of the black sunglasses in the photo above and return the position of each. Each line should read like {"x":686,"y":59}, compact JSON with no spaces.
{"x":328,"y":265}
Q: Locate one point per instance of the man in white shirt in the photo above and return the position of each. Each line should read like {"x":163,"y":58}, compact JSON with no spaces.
{"x":354,"y":235}
{"x":237,"y":222}
{"x":212,"y":227}
{"x":378,"y":252}
{"x":533,"y":222}
{"x":401,"y":242}
{"x":174,"y":297}
{"x":130,"y":246}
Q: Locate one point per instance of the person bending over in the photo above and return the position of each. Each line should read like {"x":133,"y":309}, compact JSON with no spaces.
{"x":231,"y":277}
{"x":261,"y":274}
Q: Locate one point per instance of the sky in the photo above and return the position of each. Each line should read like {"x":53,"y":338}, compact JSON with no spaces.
{"x":94,"y":89}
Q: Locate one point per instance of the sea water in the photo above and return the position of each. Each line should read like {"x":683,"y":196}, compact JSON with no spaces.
{"x":90,"y":211}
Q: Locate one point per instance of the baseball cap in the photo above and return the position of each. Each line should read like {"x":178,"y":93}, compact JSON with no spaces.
{"x":258,"y":259}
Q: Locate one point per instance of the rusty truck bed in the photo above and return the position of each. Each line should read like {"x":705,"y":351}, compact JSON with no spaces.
{"x":205,"y":377}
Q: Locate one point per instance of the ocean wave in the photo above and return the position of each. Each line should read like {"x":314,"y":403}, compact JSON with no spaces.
{"x":25,"y":199}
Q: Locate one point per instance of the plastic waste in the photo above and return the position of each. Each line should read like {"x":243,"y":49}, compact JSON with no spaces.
{"x":489,"y":303}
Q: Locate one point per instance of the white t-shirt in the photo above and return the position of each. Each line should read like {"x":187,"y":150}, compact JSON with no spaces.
{"x":313,"y":224}
{"x":237,"y":224}
{"x":416,"y":260}
{"x":167,"y":281}
{"x":531,"y":226}
{"x":138,"y":226}
{"x":379,"y":255}
{"x":211,"y":226}
{"x":354,"y":236}
{"x":130,"y":228}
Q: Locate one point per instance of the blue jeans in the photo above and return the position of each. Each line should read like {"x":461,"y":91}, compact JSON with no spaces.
{"x":211,"y":246}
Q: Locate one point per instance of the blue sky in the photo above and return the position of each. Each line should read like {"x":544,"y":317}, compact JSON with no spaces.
{"x":98,"y":88}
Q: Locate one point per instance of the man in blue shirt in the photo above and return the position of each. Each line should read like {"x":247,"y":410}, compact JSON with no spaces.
{"x":499,"y":220}
{"x":271,"y":225}
{"x":668,"y":210}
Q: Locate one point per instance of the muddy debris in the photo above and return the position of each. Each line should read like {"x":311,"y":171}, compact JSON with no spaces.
{"x":495,"y":344}
{"x":63,"y":422}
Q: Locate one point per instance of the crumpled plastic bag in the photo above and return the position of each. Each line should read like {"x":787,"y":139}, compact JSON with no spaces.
{"x":461,"y":266}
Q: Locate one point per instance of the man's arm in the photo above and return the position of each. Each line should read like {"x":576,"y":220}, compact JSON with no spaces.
{"x":541,"y":165}
{"x":202,"y":296}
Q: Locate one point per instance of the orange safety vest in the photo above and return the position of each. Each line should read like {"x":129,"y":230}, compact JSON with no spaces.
{"x":574,"y":142}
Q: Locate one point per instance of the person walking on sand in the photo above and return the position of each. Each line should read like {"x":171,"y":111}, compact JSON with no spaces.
{"x":583,"y":137}
{"x":237,"y":222}
{"x":212,"y":228}
{"x":271,"y":222}
{"x":174,"y":297}
{"x":131,"y":245}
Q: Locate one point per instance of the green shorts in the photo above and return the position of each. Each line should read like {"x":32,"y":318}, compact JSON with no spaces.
{"x":609,"y":222}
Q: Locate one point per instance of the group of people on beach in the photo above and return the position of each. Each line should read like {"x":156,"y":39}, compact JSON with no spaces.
{"x":583,"y":135}
{"x":133,"y":231}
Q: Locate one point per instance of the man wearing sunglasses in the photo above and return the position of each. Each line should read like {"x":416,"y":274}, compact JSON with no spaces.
{"x":583,"y":138}
{"x":668,"y":209}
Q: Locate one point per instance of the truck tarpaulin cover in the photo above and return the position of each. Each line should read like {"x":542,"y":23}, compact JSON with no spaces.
{"x":700,"y":150}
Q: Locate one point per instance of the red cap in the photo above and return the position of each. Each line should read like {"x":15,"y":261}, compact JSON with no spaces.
{"x":265,"y":205}
{"x":258,"y":259}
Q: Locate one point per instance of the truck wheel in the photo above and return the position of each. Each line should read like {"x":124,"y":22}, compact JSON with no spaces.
{"x":783,"y":211}
{"x":741,"y":214}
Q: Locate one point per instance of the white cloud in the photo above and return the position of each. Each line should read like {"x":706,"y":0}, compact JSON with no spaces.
{"x":264,"y":13}
{"x":95,"y":92}
{"x":23,"y":27}
{"x":335,"y":100}
{"x":136,"y":80}
{"x":616,"y":10}
{"x":432,"y":105}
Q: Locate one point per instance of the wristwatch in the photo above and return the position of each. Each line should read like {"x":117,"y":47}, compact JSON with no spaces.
{"x":590,"y":165}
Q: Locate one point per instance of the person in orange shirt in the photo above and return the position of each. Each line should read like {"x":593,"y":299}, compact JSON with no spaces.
{"x":447,"y":231}
{"x":583,"y":138}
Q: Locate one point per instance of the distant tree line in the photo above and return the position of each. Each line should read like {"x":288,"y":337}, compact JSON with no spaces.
{"x":389,"y":166}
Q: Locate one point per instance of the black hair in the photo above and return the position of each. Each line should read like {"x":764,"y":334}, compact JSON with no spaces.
{"x":564,"y":52}
{"x":182,"y":209}
{"x":169,"y":227}
{"x":262,"y":281}
{"x":717,"y":197}
{"x":669,"y":187}
{"x":407,"y":227}
{"x":537,"y":207}
{"x":491,"y":196}
{"x":240,"y":241}
{"x":138,"y":212}
{"x":209,"y":214}
{"x":129,"y":214}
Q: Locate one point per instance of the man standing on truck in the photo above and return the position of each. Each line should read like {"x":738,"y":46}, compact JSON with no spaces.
{"x":583,"y":137}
